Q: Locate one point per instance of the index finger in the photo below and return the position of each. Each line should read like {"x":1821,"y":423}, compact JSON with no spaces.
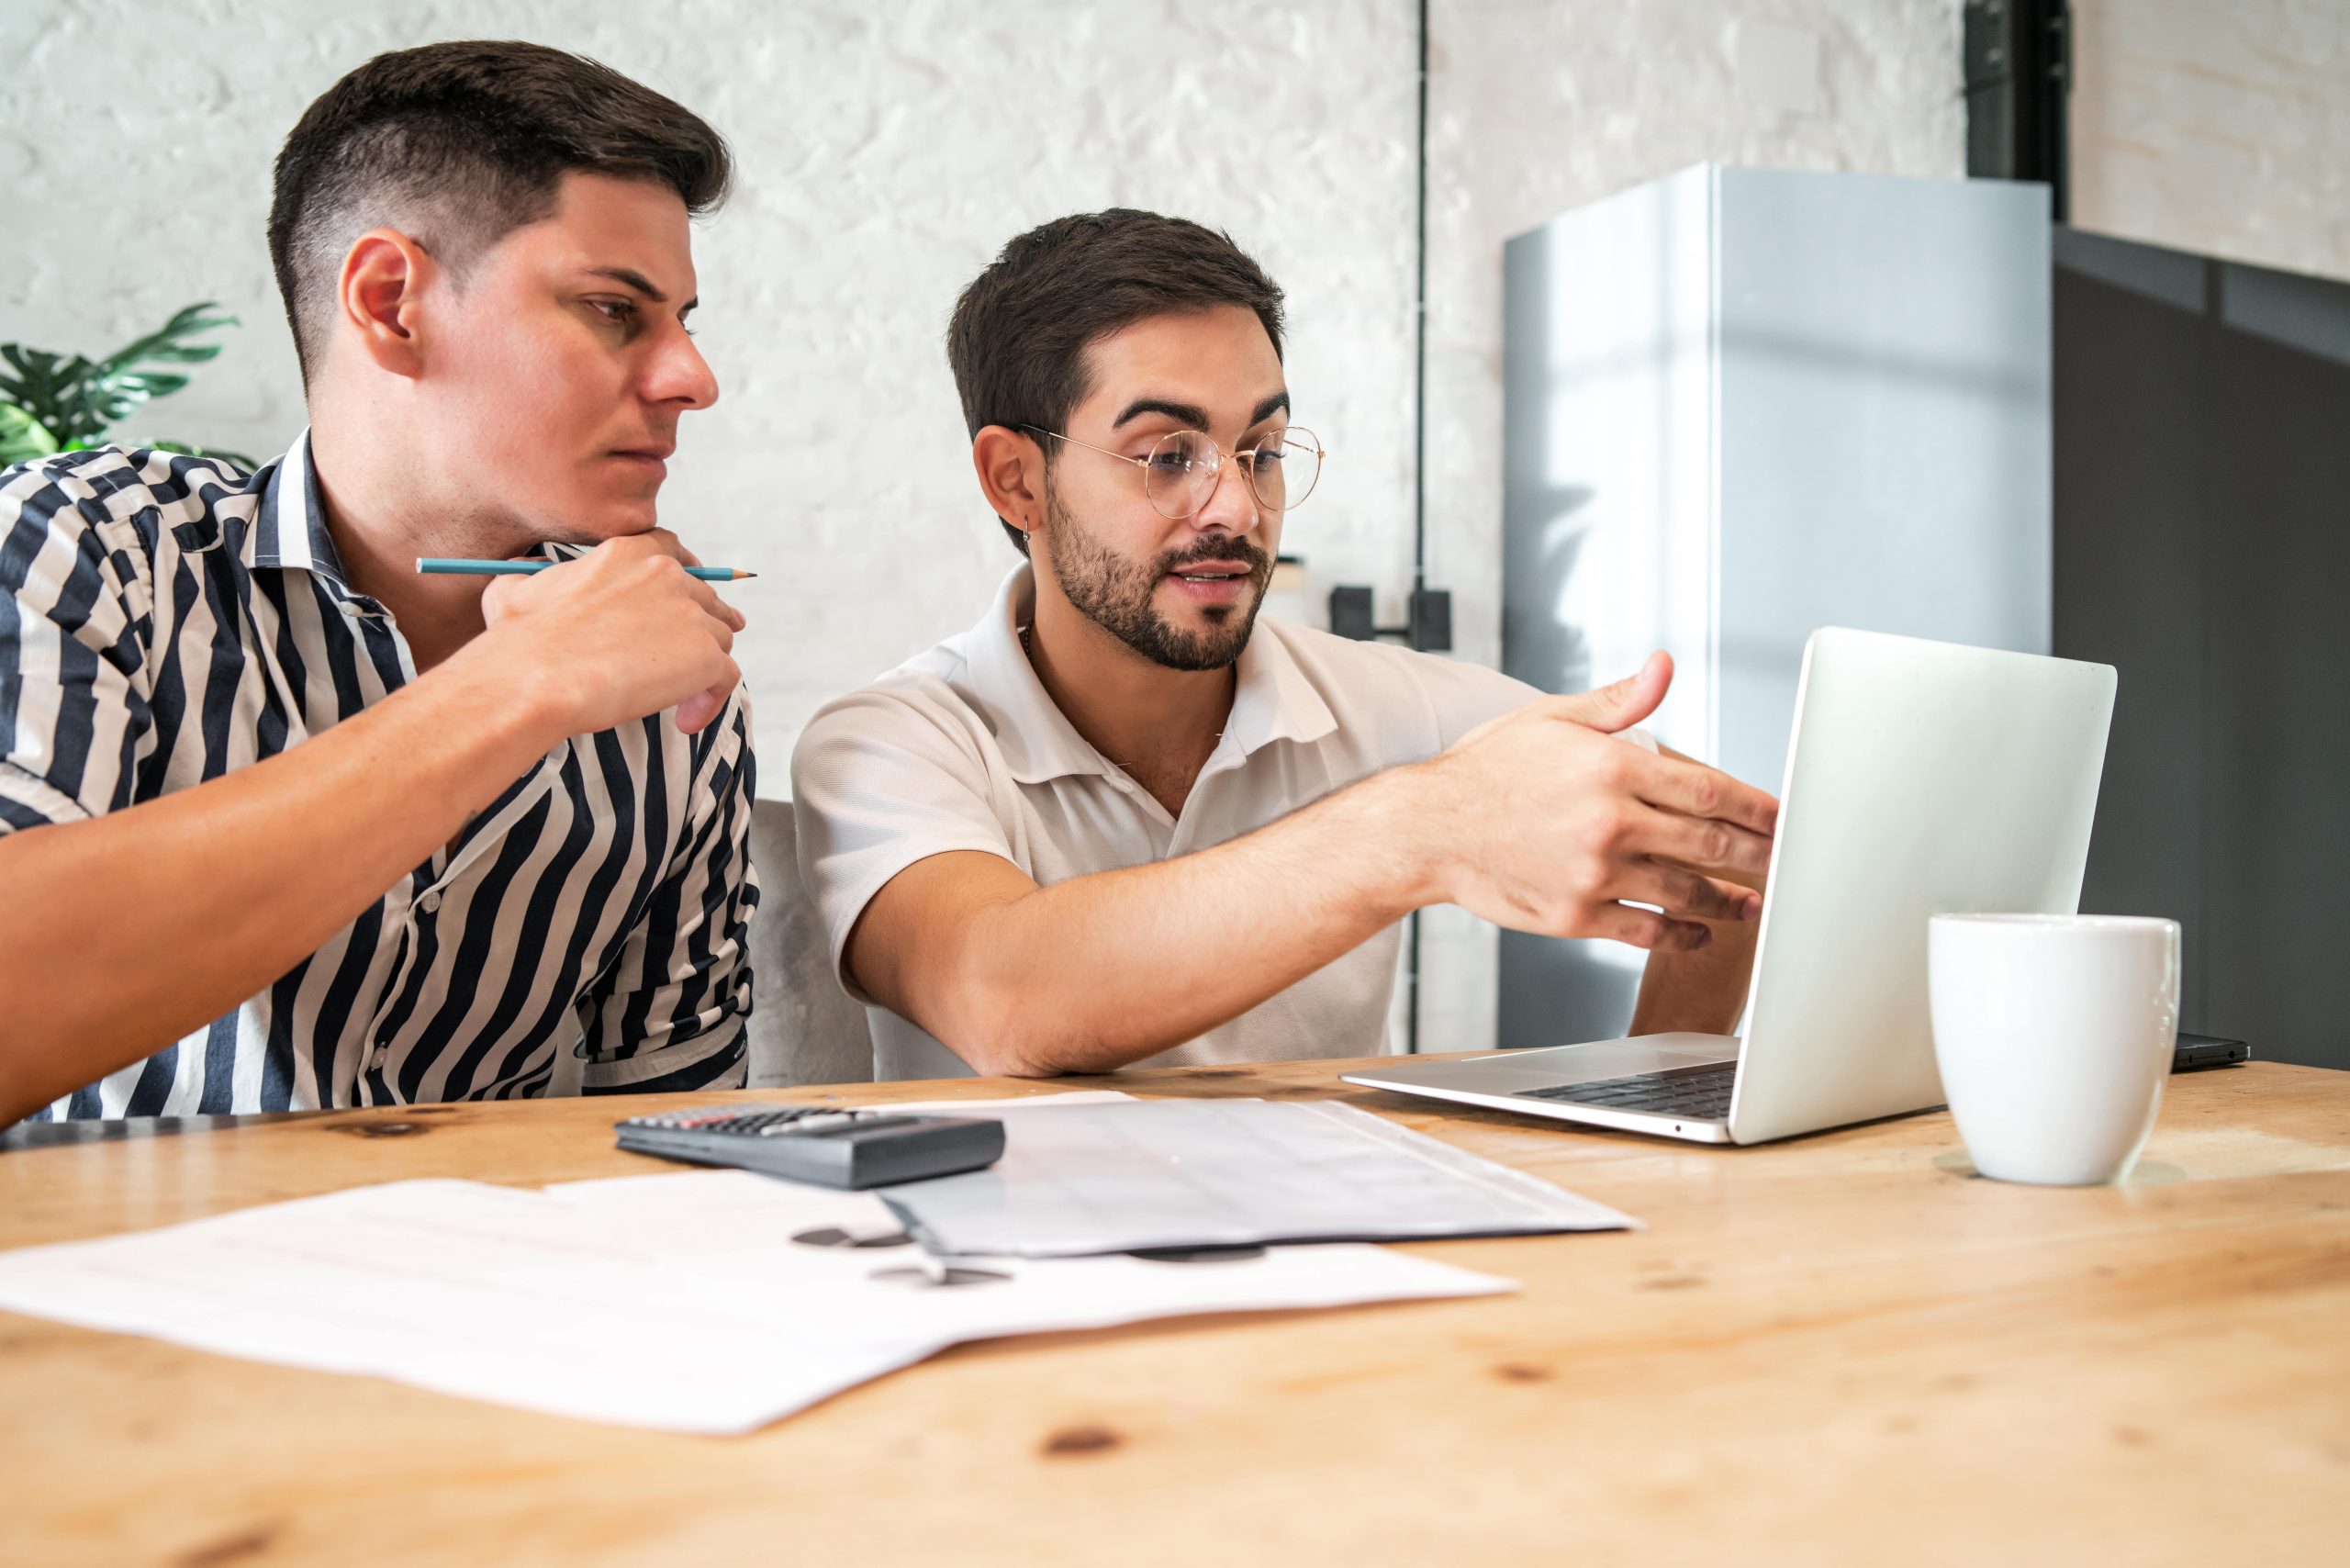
{"x":1693,"y":789}
{"x":675,"y":546}
{"x":716,"y":608}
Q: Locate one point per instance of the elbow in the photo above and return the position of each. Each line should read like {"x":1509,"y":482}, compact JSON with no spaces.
{"x":992,"y":1039}
{"x":992,"y":1060}
{"x":989,"y":1057}
{"x":1000,"y":1032}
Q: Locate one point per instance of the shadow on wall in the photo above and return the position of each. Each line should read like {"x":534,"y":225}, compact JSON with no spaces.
{"x":1546,"y":650}
{"x":1551,"y":993}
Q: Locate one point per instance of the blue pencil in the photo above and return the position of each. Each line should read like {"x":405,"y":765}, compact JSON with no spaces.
{"x":444,"y":566}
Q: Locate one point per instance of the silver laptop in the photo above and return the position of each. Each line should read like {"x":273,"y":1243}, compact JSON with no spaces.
{"x":1922,"y":779}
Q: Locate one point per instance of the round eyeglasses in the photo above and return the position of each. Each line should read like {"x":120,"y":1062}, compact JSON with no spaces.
{"x":1183,"y":468}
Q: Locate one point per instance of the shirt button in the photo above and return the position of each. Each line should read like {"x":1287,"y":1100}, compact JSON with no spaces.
{"x":428,"y":902}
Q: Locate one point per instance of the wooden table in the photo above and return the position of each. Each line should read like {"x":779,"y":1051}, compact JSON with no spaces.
{"x":1844,"y":1349}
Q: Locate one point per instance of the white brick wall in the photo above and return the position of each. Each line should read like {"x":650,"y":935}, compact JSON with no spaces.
{"x":887,"y":147}
{"x":886,"y":150}
{"x":2216,"y":128}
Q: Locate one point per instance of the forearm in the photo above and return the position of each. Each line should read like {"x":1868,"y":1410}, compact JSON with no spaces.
{"x":123,"y":933}
{"x":1538,"y":821}
{"x":1098,"y":971}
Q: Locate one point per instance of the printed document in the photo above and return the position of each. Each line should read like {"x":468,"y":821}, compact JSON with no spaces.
{"x":708,"y":1301}
{"x":1165,"y":1174}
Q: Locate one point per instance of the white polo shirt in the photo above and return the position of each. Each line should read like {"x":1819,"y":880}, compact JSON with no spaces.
{"x":961,"y":748}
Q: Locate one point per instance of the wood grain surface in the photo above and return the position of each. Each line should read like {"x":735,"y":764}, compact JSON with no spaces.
{"x":1844,"y":1349}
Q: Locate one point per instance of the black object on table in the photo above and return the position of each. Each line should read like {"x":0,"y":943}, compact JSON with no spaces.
{"x":823,"y":1144}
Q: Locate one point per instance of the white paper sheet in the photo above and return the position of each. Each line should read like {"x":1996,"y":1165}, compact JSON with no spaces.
{"x":678,"y":1301}
{"x":1149,"y":1173}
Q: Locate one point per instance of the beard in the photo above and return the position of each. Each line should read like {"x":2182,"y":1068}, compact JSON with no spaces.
{"x":1115,"y":593}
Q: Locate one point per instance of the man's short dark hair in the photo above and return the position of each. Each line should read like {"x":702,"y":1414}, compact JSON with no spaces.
{"x":1019,"y":335}
{"x":460,"y":144}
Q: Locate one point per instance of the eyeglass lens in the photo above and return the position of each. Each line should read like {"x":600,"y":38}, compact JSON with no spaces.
{"x":1182,"y":469}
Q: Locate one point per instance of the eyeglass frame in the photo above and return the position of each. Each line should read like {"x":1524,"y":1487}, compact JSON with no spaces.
{"x":1222,"y":457}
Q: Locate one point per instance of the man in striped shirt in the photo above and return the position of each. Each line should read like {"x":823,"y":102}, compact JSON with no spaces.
{"x":284,"y":824}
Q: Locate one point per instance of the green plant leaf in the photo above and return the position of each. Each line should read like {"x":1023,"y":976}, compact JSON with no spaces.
{"x":52,"y":388}
{"x":77,"y":400}
{"x":22,"y":437}
{"x":167,"y":342}
{"x":121,"y":382}
{"x":110,"y":398}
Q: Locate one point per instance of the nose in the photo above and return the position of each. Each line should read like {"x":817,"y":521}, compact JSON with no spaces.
{"x":1231,"y":504}
{"x":677,"y":374}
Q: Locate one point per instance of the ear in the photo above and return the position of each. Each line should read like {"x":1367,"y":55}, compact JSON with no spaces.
{"x":379,"y":299}
{"x":1010,"y":466}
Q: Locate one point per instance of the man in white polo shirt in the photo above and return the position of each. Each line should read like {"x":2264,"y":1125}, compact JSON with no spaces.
{"x":1108,"y":825}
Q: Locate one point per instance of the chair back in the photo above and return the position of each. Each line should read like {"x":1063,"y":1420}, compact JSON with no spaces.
{"x":804,"y":1027}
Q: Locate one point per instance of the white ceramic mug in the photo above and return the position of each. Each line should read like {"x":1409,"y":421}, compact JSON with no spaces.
{"x":2055,"y":1034}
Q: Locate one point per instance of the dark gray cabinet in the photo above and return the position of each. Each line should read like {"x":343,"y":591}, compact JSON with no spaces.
{"x":2201,"y":418}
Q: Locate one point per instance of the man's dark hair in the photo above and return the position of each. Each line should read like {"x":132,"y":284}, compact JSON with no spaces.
{"x":460,"y":144}
{"x":1019,"y":335}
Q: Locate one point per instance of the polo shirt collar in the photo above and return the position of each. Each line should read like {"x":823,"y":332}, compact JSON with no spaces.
{"x":1273,"y":700}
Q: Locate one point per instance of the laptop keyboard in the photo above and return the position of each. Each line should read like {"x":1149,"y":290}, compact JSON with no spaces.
{"x":1702,"y":1092}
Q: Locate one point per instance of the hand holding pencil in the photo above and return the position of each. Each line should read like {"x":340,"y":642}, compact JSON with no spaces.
{"x":462,"y":566}
{"x":630,"y":629}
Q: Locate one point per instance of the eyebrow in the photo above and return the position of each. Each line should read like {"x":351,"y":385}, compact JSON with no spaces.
{"x":1192,"y":414}
{"x":630,"y":277}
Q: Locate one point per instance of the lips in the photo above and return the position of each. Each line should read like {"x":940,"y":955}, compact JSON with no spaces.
{"x":1206,"y":568}
{"x":650,"y":461}
{"x":1214,"y":584}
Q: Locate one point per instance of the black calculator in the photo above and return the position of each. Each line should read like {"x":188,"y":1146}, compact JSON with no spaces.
{"x":829,"y":1145}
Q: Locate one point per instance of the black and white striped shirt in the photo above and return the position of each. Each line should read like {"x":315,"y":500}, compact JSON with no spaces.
{"x":165,"y":618}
